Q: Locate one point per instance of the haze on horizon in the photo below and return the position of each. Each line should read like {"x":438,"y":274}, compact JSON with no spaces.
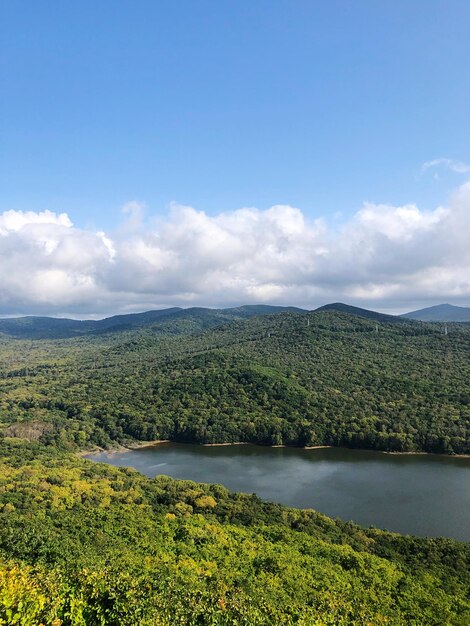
{"x":219,"y":154}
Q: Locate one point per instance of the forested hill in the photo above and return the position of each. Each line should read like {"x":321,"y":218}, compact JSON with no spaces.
{"x":84,"y":543}
{"x":322,"y":378}
{"x":340,"y":307}
{"x":441,"y":313}
{"x":166,"y":321}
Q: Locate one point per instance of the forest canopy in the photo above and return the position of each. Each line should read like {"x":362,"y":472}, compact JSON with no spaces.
{"x":84,"y":543}
{"x":303,"y":379}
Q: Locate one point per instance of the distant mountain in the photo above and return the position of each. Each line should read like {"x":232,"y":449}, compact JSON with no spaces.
{"x":354,"y":310}
{"x":169,"y":321}
{"x":33,"y":327}
{"x":132,"y":320}
{"x":440,"y":313}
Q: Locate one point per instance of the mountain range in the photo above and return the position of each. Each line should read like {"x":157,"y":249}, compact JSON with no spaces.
{"x":169,"y":321}
{"x":177,"y":321}
{"x":441,"y":313}
{"x":340,"y":307}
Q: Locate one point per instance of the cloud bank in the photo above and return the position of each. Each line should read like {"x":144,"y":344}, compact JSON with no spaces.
{"x":385,"y":257}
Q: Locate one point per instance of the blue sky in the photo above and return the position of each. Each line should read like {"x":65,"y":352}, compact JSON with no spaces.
{"x":221,"y":105}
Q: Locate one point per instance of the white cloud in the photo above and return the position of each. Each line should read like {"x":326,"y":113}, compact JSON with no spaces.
{"x":135,"y":212}
{"x":398,"y":223}
{"x":451,"y":164}
{"x":16,"y":220}
{"x":387,"y":257}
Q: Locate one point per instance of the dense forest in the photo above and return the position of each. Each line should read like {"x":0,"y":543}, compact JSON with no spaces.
{"x":88,"y":544}
{"x":325,"y":378}
{"x":84,"y":543}
{"x":161,"y":320}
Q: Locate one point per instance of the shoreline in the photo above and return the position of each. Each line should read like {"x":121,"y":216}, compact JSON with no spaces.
{"x":115,"y":449}
{"x":228,"y":443}
{"x":450,"y":456}
{"x":137,"y":445}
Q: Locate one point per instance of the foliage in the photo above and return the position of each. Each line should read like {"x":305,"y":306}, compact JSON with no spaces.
{"x":180,"y":321}
{"x":92,"y":544}
{"x":84,"y":543}
{"x":326,"y":378}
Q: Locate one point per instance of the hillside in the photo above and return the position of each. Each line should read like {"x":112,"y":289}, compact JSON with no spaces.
{"x":441,"y":313}
{"x":84,"y":543}
{"x":323,"y":378}
{"x":340,"y":307}
{"x":172,"y":321}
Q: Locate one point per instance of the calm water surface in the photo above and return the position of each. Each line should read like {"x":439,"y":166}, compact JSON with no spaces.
{"x":426,"y":495}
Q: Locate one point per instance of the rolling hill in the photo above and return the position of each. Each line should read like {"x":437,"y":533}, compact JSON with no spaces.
{"x":84,"y":543}
{"x":340,"y":307}
{"x":176,"y":320}
{"x":440,"y":313}
{"x":167,"y":321}
{"x":318,"y":378}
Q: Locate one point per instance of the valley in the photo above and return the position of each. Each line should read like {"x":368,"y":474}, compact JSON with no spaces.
{"x":84,"y":543}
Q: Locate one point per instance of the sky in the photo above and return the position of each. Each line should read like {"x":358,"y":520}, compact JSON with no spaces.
{"x":219,"y":153}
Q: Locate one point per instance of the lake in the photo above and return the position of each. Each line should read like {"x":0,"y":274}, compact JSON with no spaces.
{"x":427,"y":495}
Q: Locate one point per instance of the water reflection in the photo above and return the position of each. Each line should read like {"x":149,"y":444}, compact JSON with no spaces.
{"x":426,"y":495}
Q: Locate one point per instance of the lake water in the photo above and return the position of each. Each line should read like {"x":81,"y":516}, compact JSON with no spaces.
{"x":427,"y":495}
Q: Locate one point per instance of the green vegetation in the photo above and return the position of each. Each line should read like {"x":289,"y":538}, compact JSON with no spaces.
{"x":184,"y":320}
{"x":340,"y":307}
{"x":340,"y":380}
{"x":85,"y":544}
{"x":441,"y":313}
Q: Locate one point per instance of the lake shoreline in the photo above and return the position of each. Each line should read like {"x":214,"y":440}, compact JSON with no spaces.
{"x":404,"y":493}
{"x":450,"y":456}
{"x":137,"y":445}
{"x":117,"y":448}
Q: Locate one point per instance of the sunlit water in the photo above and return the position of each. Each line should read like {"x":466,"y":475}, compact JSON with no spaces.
{"x":427,"y":495}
